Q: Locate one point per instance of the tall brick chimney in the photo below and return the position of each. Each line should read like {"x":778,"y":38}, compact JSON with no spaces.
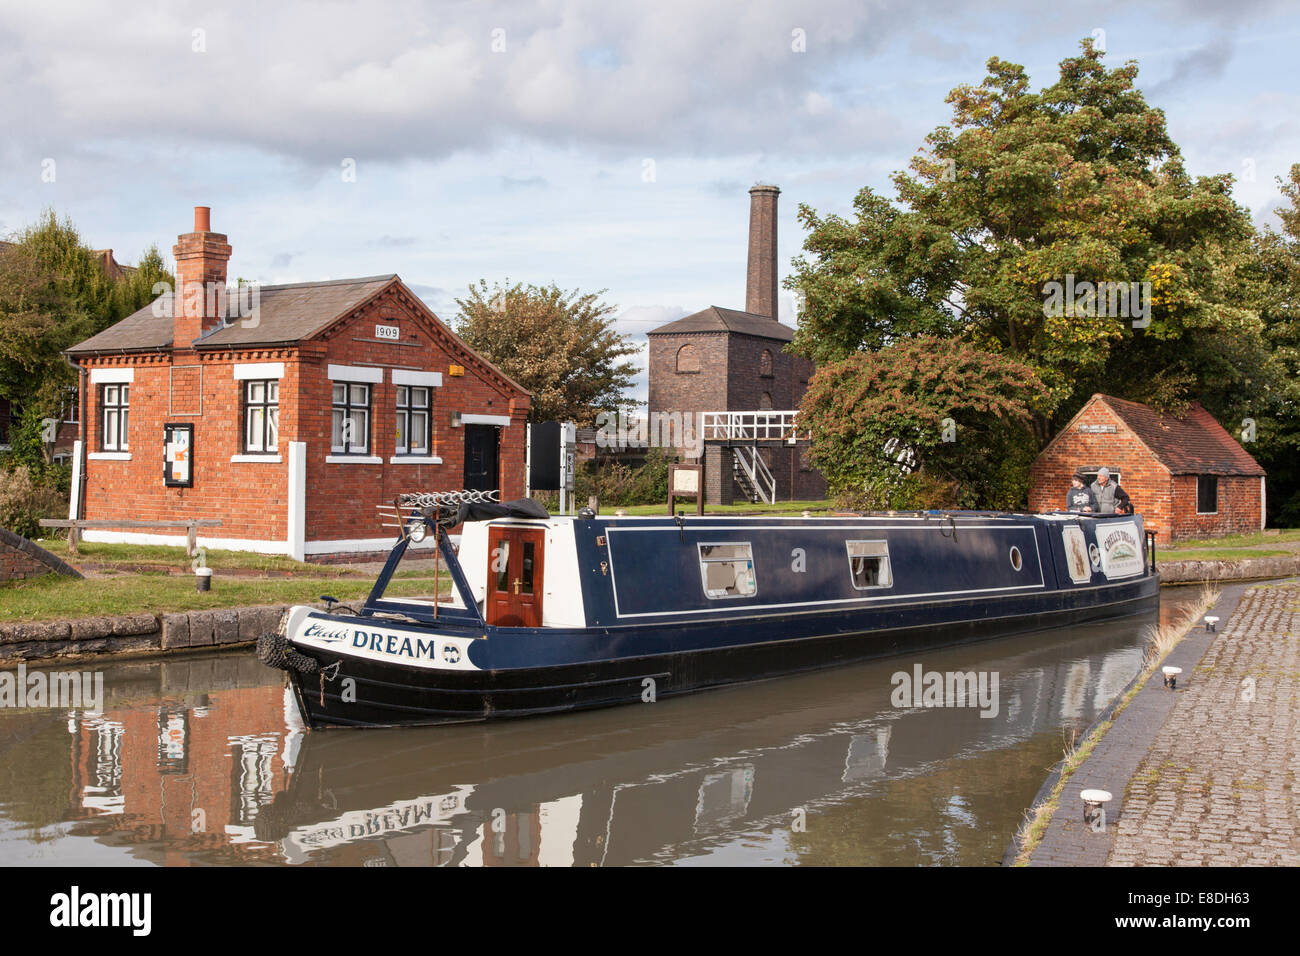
{"x":201,"y":258}
{"x":760,"y":284}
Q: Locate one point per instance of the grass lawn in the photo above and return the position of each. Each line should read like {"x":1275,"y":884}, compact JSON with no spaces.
{"x":53,"y":597}
{"x":174,"y":557}
{"x":779,"y":508}
{"x":1217,"y":554}
{"x":1256,"y":539}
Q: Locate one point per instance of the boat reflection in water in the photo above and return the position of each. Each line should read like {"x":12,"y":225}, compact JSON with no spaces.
{"x":204,"y":760}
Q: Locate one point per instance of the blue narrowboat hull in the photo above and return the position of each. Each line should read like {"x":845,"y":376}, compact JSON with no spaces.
{"x":652,"y":633}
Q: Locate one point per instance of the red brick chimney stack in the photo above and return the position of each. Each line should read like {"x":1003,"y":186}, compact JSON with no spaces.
{"x":760,"y":284}
{"x":201,"y":258}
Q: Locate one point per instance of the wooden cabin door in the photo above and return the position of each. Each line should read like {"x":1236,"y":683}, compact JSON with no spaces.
{"x":514,"y":591}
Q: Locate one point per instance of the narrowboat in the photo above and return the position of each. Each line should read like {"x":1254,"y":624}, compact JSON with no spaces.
{"x":557,"y":613}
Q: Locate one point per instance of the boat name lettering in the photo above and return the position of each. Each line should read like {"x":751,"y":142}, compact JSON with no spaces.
{"x":325,"y":633}
{"x":394,"y":644}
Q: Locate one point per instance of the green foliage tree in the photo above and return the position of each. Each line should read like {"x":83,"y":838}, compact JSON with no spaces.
{"x":53,"y":294}
{"x":925,"y":422}
{"x":1022,"y":189}
{"x":1277,"y":437}
{"x":561,"y":346}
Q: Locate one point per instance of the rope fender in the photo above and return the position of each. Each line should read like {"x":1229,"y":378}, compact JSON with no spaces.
{"x":274,"y":650}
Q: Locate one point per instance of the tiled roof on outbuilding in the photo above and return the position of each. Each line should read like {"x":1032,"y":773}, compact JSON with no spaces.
{"x":1191,"y":444}
{"x":717,"y":319}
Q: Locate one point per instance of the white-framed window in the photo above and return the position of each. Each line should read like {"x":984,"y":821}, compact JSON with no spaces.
{"x":414,"y":415}
{"x":115,"y":402}
{"x":869,"y":565}
{"x":727,"y":570}
{"x":261,"y":416}
{"x":350,"y":431}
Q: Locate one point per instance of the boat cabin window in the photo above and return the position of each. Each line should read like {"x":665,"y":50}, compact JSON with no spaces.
{"x":727,"y":570}
{"x":869,"y":564}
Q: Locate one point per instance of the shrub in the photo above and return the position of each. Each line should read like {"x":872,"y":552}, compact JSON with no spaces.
{"x":27,"y":496}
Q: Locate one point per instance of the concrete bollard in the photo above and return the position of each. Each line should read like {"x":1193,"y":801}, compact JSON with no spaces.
{"x":1171,"y":676}
{"x":203,"y":579}
{"x":1094,"y":806}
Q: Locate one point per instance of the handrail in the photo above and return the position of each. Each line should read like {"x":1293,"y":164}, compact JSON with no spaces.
{"x":749,"y":426}
{"x":759,"y":475}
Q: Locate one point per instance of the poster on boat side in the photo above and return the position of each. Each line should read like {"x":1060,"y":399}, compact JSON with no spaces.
{"x":1076,"y":554}
{"x":1121,"y":549}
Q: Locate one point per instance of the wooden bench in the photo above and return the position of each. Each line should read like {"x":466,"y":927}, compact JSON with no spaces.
{"x":191,"y":526}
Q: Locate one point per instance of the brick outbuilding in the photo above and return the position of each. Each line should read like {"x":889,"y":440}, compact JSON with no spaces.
{"x":1188,"y":477}
{"x":286,"y":412}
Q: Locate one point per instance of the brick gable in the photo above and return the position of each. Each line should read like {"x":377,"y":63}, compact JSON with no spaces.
{"x":1102,"y":434}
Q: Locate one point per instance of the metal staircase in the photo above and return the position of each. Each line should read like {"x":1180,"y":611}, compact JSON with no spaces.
{"x":745,"y":433}
{"x":753,"y":475}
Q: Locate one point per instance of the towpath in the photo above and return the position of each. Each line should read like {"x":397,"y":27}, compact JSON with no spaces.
{"x":1206,"y":774}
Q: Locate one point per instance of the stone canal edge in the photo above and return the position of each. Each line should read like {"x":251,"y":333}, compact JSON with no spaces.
{"x":1205,"y":774}
{"x":134,"y":634}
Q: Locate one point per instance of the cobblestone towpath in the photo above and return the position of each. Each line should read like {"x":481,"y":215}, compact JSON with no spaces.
{"x":1206,"y":774}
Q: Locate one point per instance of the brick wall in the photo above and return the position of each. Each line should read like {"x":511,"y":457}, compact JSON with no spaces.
{"x":341,"y":498}
{"x":1144,"y":478}
{"x":1166,"y":502}
{"x":1238,"y":508}
{"x":251,"y":498}
{"x":673,"y":391}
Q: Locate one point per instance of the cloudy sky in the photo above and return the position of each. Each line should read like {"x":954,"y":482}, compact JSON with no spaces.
{"x":599,"y":145}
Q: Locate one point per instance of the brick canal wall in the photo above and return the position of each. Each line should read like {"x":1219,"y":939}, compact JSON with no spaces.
{"x":135,"y":633}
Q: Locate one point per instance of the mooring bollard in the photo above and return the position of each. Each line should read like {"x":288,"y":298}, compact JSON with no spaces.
{"x":1210,"y":621}
{"x":1171,"y":676}
{"x":203,"y":579}
{"x":1094,"y":806}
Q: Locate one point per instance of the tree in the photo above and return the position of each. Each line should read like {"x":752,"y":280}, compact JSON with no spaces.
{"x":53,"y":294}
{"x":1277,"y":420}
{"x":927,"y":421}
{"x":1077,"y":183}
{"x":561,"y":346}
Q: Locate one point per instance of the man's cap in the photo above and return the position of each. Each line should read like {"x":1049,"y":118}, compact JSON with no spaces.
{"x":1103,"y":472}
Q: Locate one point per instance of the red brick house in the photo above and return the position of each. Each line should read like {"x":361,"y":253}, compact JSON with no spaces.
{"x":1188,"y":477}
{"x":287,"y":412}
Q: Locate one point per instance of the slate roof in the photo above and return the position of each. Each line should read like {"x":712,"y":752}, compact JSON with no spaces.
{"x":286,"y":313}
{"x":1193,"y":444}
{"x":717,"y":319}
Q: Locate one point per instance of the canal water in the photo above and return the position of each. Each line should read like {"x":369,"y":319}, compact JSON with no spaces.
{"x":201,"y":760}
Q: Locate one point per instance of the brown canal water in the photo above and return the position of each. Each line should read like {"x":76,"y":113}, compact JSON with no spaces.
{"x":201,"y":760}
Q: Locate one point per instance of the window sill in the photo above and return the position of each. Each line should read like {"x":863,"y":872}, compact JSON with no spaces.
{"x":248,"y":459}
{"x":415,"y":460}
{"x":353,"y":460}
{"x":109,"y":456}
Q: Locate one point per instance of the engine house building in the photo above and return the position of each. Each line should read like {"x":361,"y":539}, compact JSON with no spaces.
{"x":285,"y":412}
{"x":730,"y":370}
